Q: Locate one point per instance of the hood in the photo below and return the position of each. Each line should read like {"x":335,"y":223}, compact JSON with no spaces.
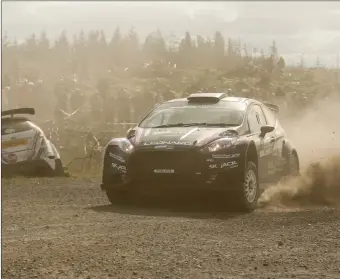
{"x":177,"y":135}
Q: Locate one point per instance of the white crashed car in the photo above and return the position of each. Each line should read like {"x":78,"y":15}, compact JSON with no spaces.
{"x":25,"y":150}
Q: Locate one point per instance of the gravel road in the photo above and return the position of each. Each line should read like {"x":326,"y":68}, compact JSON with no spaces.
{"x":64,"y":228}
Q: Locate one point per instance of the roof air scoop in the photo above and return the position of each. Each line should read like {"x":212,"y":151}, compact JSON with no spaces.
{"x":206,"y":97}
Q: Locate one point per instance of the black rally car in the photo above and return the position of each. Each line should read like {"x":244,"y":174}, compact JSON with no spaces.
{"x":207,"y":140}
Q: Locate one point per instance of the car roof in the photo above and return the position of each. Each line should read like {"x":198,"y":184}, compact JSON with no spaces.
{"x":247,"y":101}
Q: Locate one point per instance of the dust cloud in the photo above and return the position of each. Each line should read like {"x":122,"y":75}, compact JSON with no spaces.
{"x":316,"y":136}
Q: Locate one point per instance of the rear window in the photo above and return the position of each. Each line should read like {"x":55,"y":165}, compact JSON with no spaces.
{"x":14,"y":126}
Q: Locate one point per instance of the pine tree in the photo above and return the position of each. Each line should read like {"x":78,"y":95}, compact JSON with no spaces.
{"x":219,"y":45}
{"x":116,"y":39}
{"x":231,"y":51}
{"x":44,"y":43}
{"x":102,"y":39}
{"x":185,"y":51}
{"x":115,"y":47}
{"x":154,"y":46}
{"x":62,"y":43}
{"x":186,"y":44}
{"x":31,"y":42}
{"x":130,"y":47}
{"x":273,"y":50}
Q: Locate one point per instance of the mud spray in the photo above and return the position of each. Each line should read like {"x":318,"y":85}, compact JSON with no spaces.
{"x":316,"y":136}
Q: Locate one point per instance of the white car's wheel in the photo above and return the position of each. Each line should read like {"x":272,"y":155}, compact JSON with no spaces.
{"x":59,"y":169}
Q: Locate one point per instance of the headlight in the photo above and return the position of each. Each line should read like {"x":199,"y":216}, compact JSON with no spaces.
{"x":218,"y":145}
{"x":125,"y":145}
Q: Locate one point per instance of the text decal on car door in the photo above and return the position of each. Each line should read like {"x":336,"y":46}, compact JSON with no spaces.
{"x":163,"y":171}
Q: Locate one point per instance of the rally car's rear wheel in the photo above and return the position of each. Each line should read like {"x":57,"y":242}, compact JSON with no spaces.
{"x":247,"y":189}
{"x":292,"y":165}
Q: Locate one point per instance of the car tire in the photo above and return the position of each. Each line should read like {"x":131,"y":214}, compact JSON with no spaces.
{"x":117,"y":197}
{"x":292,"y":165}
{"x":59,"y":169}
{"x":247,"y":189}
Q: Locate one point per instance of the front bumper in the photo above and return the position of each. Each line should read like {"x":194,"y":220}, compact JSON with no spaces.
{"x":24,"y":168}
{"x":151,"y":167}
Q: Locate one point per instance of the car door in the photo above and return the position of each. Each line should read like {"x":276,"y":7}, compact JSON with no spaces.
{"x":256,"y":120}
{"x":279,"y":134}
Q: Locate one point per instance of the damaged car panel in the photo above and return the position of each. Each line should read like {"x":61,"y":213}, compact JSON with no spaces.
{"x":24,"y":148}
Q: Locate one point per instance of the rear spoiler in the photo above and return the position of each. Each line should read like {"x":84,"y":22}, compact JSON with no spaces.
{"x":272,"y":107}
{"x":12,"y":112}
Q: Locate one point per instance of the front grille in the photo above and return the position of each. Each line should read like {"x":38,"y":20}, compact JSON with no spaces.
{"x":182,"y":162}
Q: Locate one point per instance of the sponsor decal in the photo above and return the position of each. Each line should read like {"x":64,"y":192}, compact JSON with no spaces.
{"x":231,"y":164}
{"x":226,"y":156}
{"x":9,"y":131}
{"x":167,"y":132}
{"x":213,"y":166}
{"x":119,"y":167}
{"x":12,"y":158}
{"x":229,"y":133}
{"x":163,"y":171}
{"x":163,"y":147}
{"x":118,"y":158}
{"x":146,"y":143}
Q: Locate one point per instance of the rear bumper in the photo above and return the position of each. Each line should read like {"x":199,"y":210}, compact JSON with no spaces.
{"x":178,"y":169}
{"x":24,"y":168}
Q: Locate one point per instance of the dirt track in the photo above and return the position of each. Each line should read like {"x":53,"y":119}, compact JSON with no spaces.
{"x":64,"y":228}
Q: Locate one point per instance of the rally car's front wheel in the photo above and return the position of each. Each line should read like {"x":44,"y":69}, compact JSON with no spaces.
{"x":247,"y":189}
{"x":117,"y":196}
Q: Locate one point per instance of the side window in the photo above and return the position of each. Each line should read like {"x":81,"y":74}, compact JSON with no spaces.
{"x":256,"y":119}
{"x":271,"y":119}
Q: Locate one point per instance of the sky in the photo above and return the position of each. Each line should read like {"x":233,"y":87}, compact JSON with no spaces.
{"x":308,"y":28}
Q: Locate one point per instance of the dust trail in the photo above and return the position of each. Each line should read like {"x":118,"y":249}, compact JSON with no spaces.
{"x":316,"y":136}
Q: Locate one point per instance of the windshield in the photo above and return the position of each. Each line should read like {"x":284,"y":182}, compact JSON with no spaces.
{"x":193,"y":116}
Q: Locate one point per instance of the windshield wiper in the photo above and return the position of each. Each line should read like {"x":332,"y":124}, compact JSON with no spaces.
{"x":172,"y":125}
{"x":195,"y":124}
{"x":222,"y":124}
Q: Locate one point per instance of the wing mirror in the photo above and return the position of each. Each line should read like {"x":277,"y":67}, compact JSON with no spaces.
{"x":130,"y":133}
{"x":266,"y":129}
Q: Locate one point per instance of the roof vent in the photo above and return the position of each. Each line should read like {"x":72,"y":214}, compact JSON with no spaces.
{"x":206,"y":97}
